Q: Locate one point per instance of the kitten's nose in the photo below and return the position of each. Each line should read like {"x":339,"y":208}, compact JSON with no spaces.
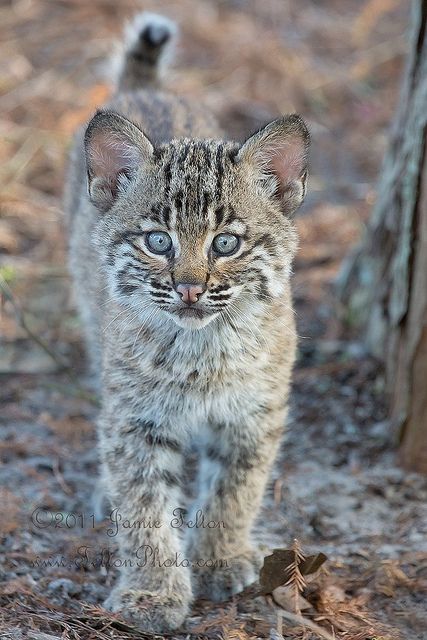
{"x":190,"y":292}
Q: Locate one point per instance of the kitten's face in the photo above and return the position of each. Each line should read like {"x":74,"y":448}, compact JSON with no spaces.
{"x":194,"y":234}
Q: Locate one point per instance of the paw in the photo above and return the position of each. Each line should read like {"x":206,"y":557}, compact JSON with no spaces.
{"x":221,"y":582}
{"x":151,"y":612}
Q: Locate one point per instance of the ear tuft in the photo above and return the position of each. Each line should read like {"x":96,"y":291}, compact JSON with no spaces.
{"x":278,"y":155}
{"x":115,"y":148}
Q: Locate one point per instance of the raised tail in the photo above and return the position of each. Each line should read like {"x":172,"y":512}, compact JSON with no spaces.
{"x":148,"y":41}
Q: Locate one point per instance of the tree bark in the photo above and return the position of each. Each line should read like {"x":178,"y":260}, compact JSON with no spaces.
{"x":383,"y":284}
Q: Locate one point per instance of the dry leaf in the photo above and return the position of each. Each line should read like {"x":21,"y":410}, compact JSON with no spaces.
{"x":276,"y":568}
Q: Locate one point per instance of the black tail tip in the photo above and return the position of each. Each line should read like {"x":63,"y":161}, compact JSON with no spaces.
{"x":155,"y":35}
{"x":149,"y":32}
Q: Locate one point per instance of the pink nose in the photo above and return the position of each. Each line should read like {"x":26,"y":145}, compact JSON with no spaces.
{"x":190,"y":292}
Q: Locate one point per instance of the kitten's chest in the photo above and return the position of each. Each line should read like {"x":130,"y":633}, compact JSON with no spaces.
{"x":199,"y":361}
{"x":198,"y":380}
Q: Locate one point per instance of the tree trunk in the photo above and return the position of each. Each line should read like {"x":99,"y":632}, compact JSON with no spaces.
{"x":383,"y":285}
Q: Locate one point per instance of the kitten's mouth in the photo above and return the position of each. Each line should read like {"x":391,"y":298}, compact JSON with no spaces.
{"x":191,"y":312}
{"x":192,"y":317}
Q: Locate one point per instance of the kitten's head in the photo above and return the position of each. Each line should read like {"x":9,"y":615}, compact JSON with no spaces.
{"x":194,"y":229}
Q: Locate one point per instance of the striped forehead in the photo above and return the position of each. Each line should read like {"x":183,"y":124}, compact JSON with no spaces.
{"x":196,"y":179}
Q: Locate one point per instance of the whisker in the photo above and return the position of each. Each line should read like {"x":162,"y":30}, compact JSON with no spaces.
{"x":145,"y":322}
{"x":114,"y":319}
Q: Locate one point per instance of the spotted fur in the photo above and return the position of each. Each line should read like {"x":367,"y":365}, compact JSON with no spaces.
{"x":216,"y":375}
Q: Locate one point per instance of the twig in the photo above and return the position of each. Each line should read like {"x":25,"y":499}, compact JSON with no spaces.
{"x":279,"y":623}
{"x":78,"y":392}
{"x":8,"y":295}
{"x":297,"y":619}
{"x":11,"y":170}
{"x":60,"y":362}
{"x":60,"y":478}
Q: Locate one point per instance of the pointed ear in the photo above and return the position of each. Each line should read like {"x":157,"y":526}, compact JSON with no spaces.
{"x":115,"y":148}
{"x":278,"y":156}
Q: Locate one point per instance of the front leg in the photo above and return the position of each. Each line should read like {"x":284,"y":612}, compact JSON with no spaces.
{"x":142,"y":470}
{"x":237,"y":460}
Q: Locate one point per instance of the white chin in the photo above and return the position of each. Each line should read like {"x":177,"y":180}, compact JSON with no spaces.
{"x":193,"y":323}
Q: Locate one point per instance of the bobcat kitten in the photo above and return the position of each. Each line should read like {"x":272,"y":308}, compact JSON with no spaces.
{"x":181,"y":247}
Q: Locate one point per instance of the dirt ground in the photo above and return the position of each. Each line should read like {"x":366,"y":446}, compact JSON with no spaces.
{"x":337,"y":487}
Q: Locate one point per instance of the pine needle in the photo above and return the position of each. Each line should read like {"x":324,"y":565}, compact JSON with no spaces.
{"x":296,"y":580}
{"x":305,"y":622}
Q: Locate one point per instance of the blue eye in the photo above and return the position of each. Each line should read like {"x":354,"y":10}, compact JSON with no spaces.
{"x":158,"y":241}
{"x":224,"y":244}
